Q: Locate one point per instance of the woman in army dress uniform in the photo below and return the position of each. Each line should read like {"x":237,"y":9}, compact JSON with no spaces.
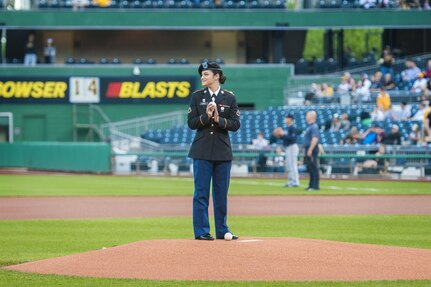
{"x":213,"y":112}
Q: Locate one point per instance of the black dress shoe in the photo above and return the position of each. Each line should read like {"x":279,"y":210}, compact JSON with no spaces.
{"x":205,"y":237}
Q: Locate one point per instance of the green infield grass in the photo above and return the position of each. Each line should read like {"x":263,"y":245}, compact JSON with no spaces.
{"x":27,"y":240}
{"x":94,"y":185}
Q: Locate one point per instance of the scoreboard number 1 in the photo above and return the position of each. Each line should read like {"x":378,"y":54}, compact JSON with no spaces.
{"x":84,"y":90}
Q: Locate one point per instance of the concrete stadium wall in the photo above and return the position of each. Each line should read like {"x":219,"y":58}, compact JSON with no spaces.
{"x":76,"y":157}
{"x":208,"y":19}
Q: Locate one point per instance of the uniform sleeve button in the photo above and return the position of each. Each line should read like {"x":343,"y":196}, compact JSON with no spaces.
{"x":211,"y":132}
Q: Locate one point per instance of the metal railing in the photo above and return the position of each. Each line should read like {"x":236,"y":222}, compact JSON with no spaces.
{"x":337,"y":160}
{"x":138,"y":126}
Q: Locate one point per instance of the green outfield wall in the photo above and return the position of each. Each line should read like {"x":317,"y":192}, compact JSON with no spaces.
{"x":219,"y":19}
{"x":258,"y":85}
{"x":75,"y":157}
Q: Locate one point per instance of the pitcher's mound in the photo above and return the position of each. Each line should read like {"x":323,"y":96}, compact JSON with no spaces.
{"x":277,"y":259}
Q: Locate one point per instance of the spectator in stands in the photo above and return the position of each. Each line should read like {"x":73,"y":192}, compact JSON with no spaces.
{"x":345,"y":122}
{"x":373,"y":135}
{"x":405,"y":111}
{"x":376,"y":82}
{"x":419,"y":115}
{"x":352,"y":137}
{"x":386,"y":61}
{"x":427,"y":120}
{"x":394,"y":137}
{"x":408,"y":4}
{"x":362,"y":92}
{"x":80,"y":4}
{"x":427,"y":136}
{"x":377,"y":115}
{"x":327,"y":90}
{"x":388,"y":83}
{"x":335,"y":124}
{"x":343,"y":87}
{"x":374,"y":165}
{"x":410,"y":73}
{"x":427,"y":72}
{"x":260,"y":142}
{"x":365,"y":117}
{"x":277,"y":163}
{"x":399,"y":113}
{"x":415,"y":136}
{"x":347,"y":84}
{"x":367,"y":4}
{"x":49,"y":52}
{"x":391,"y":113}
{"x":383,"y":100}
{"x":420,"y":84}
{"x":30,"y":56}
{"x":427,"y":92}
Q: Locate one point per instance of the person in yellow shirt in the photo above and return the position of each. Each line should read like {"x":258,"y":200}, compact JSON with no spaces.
{"x":426,"y":123}
{"x":383,"y":100}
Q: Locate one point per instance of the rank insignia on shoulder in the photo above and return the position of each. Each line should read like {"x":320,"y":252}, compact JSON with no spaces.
{"x":189,"y":110}
{"x":199,"y":91}
{"x":229,"y":92}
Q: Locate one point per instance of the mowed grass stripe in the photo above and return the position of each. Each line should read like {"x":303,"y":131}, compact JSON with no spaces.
{"x":16,"y":279}
{"x":94,"y":185}
{"x":29,"y":240}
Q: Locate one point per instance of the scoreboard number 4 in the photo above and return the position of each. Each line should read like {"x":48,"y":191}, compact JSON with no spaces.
{"x":84,"y":90}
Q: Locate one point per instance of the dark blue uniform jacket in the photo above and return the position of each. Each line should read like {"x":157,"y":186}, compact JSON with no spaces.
{"x":212,"y":139}
{"x":290,"y":137}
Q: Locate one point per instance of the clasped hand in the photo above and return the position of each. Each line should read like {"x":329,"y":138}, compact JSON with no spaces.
{"x":212,"y":112}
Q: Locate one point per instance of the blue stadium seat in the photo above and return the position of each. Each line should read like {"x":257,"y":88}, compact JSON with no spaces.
{"x":103,"y":61}
{"x":70,"y":61}
{"x":301,"y":66}
{"x":116,"y":61}
{"x":138,"y":61}
{"x":319,"y":66}
{"x":83,"y":61}
{"x":172,"y":61}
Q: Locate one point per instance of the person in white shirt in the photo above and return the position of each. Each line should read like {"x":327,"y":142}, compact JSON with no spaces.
{"x":405,"y":111}
{"x":377,"y":114}
{"x":49,"y":52}
{"x":419,"y":84}
{"x":419,"y":115}
{"x":260,"y":142}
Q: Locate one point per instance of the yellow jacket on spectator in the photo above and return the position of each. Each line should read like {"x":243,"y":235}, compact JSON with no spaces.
{"x":383,"y":100}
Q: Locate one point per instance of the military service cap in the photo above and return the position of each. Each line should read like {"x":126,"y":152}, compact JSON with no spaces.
{"x":209,"y":66}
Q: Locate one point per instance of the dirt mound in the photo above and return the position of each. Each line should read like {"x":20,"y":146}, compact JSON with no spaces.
{"x":266,"y":259}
